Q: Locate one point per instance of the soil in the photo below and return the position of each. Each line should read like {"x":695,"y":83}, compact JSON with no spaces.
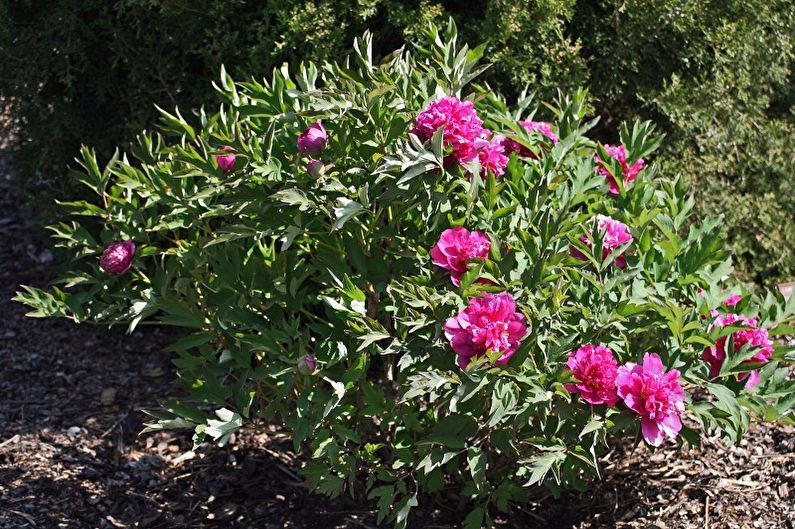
{"x":71,"y":456}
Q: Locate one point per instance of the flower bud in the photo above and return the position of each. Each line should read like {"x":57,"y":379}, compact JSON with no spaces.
{"x":117,"y":258}
{"x":225,"y":162}
{"x":312,"y":141}
{"x":307,"y":365}
{"x":315,"y":168}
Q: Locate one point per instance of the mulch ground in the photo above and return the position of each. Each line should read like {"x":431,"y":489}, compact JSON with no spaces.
{"x":71,"y":456}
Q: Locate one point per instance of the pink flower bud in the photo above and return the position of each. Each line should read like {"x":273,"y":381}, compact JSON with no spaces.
{"x":315,"y":168}
{"x":225,"y":162}
{"x":307,"y":365}
{"x":312,"y":141}
{"x":117,"y":258}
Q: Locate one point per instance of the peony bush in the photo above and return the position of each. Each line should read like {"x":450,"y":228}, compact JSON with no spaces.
{"x":431,"y":290}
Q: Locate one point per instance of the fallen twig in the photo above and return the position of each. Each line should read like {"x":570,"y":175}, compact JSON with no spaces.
{"x":706,"y":513}
{"x":115,"y":424}
{"x":13,"y":439}
{"x":26,"y":516}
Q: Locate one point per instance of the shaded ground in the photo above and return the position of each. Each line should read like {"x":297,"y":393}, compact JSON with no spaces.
{"x":70,"y":455}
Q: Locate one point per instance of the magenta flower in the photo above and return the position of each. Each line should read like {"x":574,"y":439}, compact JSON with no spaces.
{"x":491,"y":156}
{"x":629,"y":173}
{"x":754,"y":336}
{"x":616,"y":234}
{"x":730,"y":302}
{"x":489,"y":325}
{"x":542,"y":127}
{"x":733,"y":300}
{"x":312,"y":141}
{"x":456,"y":247}
{"x":315,"y":168}
{"x":530,"y":126}
{"x":225,"y":162}
{"x":461,"y":126}
{"x":117,"y":258}
{"x":307,"y":365}
{"x":595,"y":370}
{"x":655,"y":395}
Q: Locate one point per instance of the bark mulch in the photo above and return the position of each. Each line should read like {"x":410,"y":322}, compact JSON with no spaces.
{"x":71,"y":456}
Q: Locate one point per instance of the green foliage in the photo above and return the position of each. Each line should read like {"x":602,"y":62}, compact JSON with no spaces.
{"x":716,"y":76}
{"x":266,"y":264}
{"x":91,"y":71}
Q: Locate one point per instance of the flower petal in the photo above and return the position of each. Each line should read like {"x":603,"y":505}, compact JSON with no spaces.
{"x":651,"y":432}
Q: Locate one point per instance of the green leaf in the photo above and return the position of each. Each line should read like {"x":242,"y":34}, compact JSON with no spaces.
{"x":179,"y":314}
{"x":592,"y":426}
{"x":294,"y":197}
{"x":503,"y":401}
{"x":474,"y":519}
{"x":385,"y":495}
{"x":452,"y":431}
{"x":189,"y":342}
{"x":476,"y":460}
{"x":371,"y":337}
{"x":339,"y":392}
{"x":727,"y":401}
{"x":405,"y":507}
{"x":542,"y":464}
{"x":734,"y":359}
{"x":347,"y":210}
{"x":220,"y":430}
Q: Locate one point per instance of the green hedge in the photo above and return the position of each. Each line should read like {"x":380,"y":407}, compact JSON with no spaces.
{"x":716,"y":76}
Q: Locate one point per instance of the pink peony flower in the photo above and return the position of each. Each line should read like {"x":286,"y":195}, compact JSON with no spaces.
{"x":616,"y":234}
{"x":225,"y":162}
{"x":754,"y":336}
{"x":491,"y":156}
{"x":542,"y":127}
{"x":530,"y":126}
{"x":312,"y":141}
{"x":488,"y":324}
{"x":456,"y":247}
{"x":461,"y":126}
{"x":655,"y":395}
{"x":315,"y":168}
{"x":117,"y":258}
{"x":630,"y":173}
{"x":307,"y":365}
{"x":730,"y":302}
{"x":595,"y":370}
{"x":733,"y":300}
